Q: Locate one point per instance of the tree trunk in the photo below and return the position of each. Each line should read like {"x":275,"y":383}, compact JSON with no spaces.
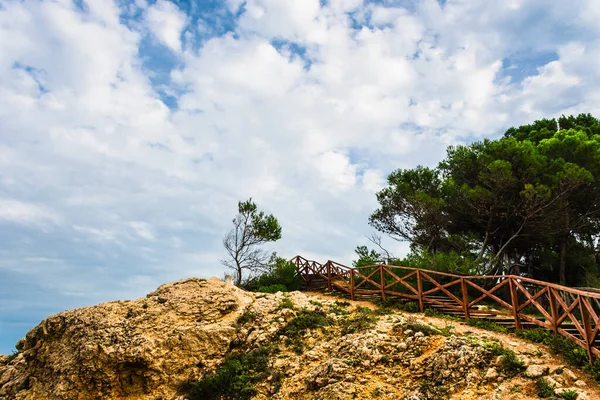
{"x":563,"y":251}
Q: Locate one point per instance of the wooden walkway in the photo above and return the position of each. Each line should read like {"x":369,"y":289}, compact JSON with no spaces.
{"x":508,"y":300}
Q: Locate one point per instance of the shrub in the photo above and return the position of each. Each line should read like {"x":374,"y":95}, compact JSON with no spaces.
{"x":543,"y":388}
{"x":595,"y":370}
{"x":364,"y":319}
{"x":511,"y":366}
{"x":281,"y":276}
{"x":286,"y":302}
{"x":487,"y":325}
{"x":342,"y":303}
{"x":278,"y":287}
{"x":410,"y":307}
{"x":235,"y":378}
{"x":569,"y":395}
{"x":338,"y":310}
{"x":573,"y":354}
{"x":246,"y":317}
{"x":536,"y":335}
{"x":303,"y":321}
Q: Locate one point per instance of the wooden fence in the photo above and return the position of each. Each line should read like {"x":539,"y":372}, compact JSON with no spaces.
{"x":569,"y":312}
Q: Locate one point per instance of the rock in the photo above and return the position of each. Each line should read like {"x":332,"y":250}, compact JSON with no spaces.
{"x":536,"y":371}
{"x":326,"y":373}
{"x":580,"y":383}
{"x":570,"y":375}
{"x":126,"y":348}
{"x":491,"y":374}
{"x":552,"y":382}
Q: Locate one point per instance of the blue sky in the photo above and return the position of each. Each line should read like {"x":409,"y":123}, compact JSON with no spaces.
{"x":129,"y":130}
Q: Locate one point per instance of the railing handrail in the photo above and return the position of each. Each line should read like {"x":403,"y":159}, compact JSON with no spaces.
{"x":562,"y":307}
{"x":595,"y":295}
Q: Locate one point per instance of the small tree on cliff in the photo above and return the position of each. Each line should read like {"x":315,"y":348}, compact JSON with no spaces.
{"x":251,"y":229}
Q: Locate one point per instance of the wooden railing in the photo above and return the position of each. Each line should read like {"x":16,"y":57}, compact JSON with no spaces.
{"x":569,"y":312}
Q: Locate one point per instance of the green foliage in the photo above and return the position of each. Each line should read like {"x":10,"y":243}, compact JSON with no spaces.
{"x":573,"y":354}
{"x":487,"y":325}
{"x":279,"y":276}
{"x":286,"y":302}
{"x":246,"y":317}
{"x":525,"y":199}
{"x":366,"y":257}
{"x":303,"y":321}
{"x":236,"y":378}
{"x":342,"y":303}
{"x":410,"y":307}
{"x":595,"y":370}
{"x":432,"y":312}
{"x":363,"y":320}
{"x":510,"y":365}
{"x":278,"y":287}
{"x":569,"y":395}
{"x":536,"y":335}
{"x":251,"y":229}
{"x":544,"y":389}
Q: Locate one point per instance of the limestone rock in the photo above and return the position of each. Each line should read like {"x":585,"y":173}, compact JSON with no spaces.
{"x":126,"y":348}
{"x":536,"y":371}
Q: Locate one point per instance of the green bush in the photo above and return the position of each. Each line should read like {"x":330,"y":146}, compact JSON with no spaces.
{"x":278,"y":287}
{"x":510,"y":366}
{"x":286,"y":302}
{"x":573,"y":354}
{"x":543,"y":388}
{"x":487,"y":325}
{"x":569,"y":395}
{"x":305,"y":320}
{"x":235,"y":378}
{"x":363,"y":320}
{"x":281,"y":276}
{"x":595,"y":370}
{"x":342,"y":303}
{"x":536,"y":335}
{"x":246,"y":317}
{"x":410,"y":307}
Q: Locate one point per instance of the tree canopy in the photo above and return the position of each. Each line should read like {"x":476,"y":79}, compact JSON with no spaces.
{"x":251,"y":229}
{"x":526,"y":202}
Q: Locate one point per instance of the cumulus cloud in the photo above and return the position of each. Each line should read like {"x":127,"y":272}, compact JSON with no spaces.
{"x":166,"y":23}
{"x":113,"y":180}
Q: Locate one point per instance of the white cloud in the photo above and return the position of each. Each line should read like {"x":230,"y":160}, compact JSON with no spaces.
{"x":309,"y":130}
{"x":166,"y":22}
{"x":26,"y":213}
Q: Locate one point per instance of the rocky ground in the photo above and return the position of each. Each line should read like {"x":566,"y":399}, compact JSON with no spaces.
{"x":314,"y":347}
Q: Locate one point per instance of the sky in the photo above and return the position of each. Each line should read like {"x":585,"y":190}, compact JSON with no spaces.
{"x":130,"y":130}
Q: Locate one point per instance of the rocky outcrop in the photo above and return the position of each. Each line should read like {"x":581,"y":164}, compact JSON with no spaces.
{"x":121,"y":349}
{"x":318,"y":348}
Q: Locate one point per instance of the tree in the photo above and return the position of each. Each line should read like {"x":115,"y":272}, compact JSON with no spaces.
{"x":526,"y":200}
{"x":251,"y":229}
{"x":366,"y":257}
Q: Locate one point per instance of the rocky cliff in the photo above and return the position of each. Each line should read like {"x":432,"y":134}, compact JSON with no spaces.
{"x":312,"y":347}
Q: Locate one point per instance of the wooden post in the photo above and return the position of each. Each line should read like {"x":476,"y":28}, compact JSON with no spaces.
{"x":514,"y":300}
{"x":382,"y":282}
{"x":352,"y":284}
{"x":553,"y":309}
{"x":465,"y":297}
{"x":587,"y":327}
{"x":329,"y":275}
{"x":420,"y":289}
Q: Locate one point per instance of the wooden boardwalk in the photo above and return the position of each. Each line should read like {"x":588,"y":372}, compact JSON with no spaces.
{"x":508,"y":300}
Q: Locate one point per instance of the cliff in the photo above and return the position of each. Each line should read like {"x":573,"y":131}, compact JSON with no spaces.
{"x":310,"y":347}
